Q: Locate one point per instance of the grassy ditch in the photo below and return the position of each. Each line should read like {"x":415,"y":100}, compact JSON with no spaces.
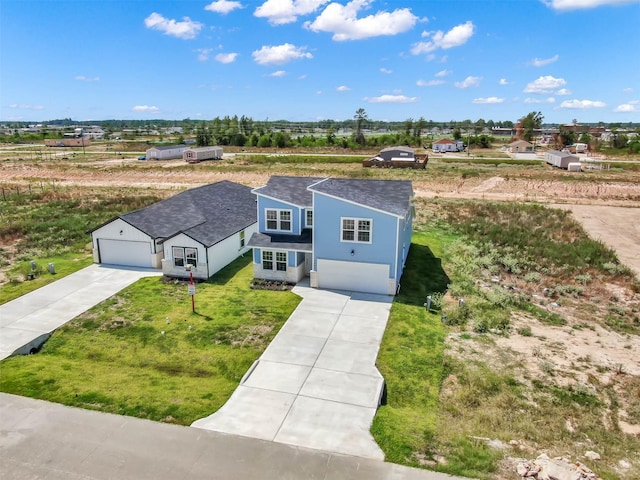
{"x":461,"y":398}
{"x":143,"y":352}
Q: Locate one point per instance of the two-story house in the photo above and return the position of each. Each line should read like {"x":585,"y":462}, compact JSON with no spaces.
{"x":345,"y":234}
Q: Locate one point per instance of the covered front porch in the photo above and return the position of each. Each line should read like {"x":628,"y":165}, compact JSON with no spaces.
{"x":287,"y":258}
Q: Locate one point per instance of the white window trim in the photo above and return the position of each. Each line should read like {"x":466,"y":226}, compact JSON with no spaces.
{"x":306,"y":217}
{"x":278,"y":220}
{"x":355,"y":231}
{"x":243,"y":242}
{"x":274,"y":260}
{"x":185,"y":260}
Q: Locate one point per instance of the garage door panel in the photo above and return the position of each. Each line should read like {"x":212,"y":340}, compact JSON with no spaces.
{"x":355,"y":276}
{"x":124,"y":252}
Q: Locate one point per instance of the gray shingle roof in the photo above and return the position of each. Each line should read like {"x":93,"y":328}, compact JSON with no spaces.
{"x":169,"y":147}
{"x":301,"y":242}
{"x":390,"y":196}
{"x":208,"y":214}
{"x":289,"y":189}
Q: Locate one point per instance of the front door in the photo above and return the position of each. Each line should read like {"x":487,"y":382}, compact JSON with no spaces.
{"x":308,"y":263}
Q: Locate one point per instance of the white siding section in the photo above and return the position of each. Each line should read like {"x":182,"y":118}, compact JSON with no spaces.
{"x":121,"y":231}
{"x":182,"y":240}
{"x":210,"y":260}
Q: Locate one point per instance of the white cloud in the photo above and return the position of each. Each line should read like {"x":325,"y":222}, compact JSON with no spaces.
{"x":226,"y":57}
{"x":628,"y":90}
{"x":187,"y":29}
{"x":82,"y":78}
{"x":429,"y":83}
{"x":280,"y":12}
{"x":582,"y":104}
{"x":443,"y":73}
{"x":540,"y":100}
{"x":343,"y":22}
{"x":391,"y":99}
{"x":468,"y":82}
{"x":279,"y":54}
{"x":488,"y":100}
{"x":146,"y":108}
{"x":544,"y":85}
{"x":503,"y":81}
{"x":278,"y":73}
{"x":223,"y":6}
{"x":343,"y":88}
{"x":632,"y":106}
{"x":386,"y":70}
{"x":563,"y":92}
{"x":580,"y":4}
{"x":457,"y":36}
{"x":541,"y":62}
{"x":203,"y":54}
{"x":22,"y":106}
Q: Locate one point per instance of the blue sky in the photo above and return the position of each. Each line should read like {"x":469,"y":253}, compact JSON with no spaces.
{"x":307,"y":60}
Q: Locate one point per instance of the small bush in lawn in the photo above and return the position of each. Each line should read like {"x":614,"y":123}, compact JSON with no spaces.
{"x":525,"y":331}
{"x":584,"y":279}
{"x":532,"y":277}
{"x":457,"y":316}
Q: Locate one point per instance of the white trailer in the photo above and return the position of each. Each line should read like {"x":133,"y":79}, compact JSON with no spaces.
{"x":198,"y":154}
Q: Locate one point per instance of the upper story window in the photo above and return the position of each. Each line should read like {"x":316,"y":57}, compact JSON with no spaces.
{"x":356,"y":230}
{"x":278,"y":219}
{"x":242,"y":239}
{"x":309,"y":218}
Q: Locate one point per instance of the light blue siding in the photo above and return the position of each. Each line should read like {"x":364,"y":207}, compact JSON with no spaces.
{"x":296,"y":214}
{"x":327,"y":242}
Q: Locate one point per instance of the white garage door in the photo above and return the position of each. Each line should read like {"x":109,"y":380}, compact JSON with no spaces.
{"x":123,"y":252}
{"x":354,"y":276}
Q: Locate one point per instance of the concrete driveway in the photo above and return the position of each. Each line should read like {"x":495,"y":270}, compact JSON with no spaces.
{"x":29,"y":320}
{"x":316,"y":385}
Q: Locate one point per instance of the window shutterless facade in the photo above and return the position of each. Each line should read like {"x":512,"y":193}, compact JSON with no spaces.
{"x":242,"y":239}
{"x":278,"y":219}
{"x":309,"y":218}
{"x":356,"y":230}
{"x":268,"y":260}
{"x":183,"y":256}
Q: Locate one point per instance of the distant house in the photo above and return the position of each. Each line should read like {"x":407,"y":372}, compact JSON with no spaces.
{"x":397,"y":157}
{"x":166,"y":153}
{"x":397,"y":153}
{"x":521,"y":146}
{"x":206,"y":227}
{"x":196,"y":155}
{"x":447,"y":145}
{"x":560,"y":159}
{"x":345,"y":234}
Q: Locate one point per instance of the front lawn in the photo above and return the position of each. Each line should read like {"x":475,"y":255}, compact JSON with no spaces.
{"x":144,"y":353}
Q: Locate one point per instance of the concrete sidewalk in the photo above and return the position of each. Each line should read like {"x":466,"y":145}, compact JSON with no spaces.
{"x":316,"y":385}
{"x":29,"y":320}
{"x":45,"y":440}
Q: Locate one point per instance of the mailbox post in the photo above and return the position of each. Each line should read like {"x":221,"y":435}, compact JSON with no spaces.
{"x":192,"y":287}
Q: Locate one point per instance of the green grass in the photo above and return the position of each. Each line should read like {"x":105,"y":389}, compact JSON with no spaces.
{"x":65,"y":264}
{"x":410,"y":358}
{"x":115,"y":357}
{"x":490,"y":161}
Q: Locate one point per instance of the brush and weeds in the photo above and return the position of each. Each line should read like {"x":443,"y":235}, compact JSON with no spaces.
{"x":45,"y":223}
{"x":460,"y":402}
